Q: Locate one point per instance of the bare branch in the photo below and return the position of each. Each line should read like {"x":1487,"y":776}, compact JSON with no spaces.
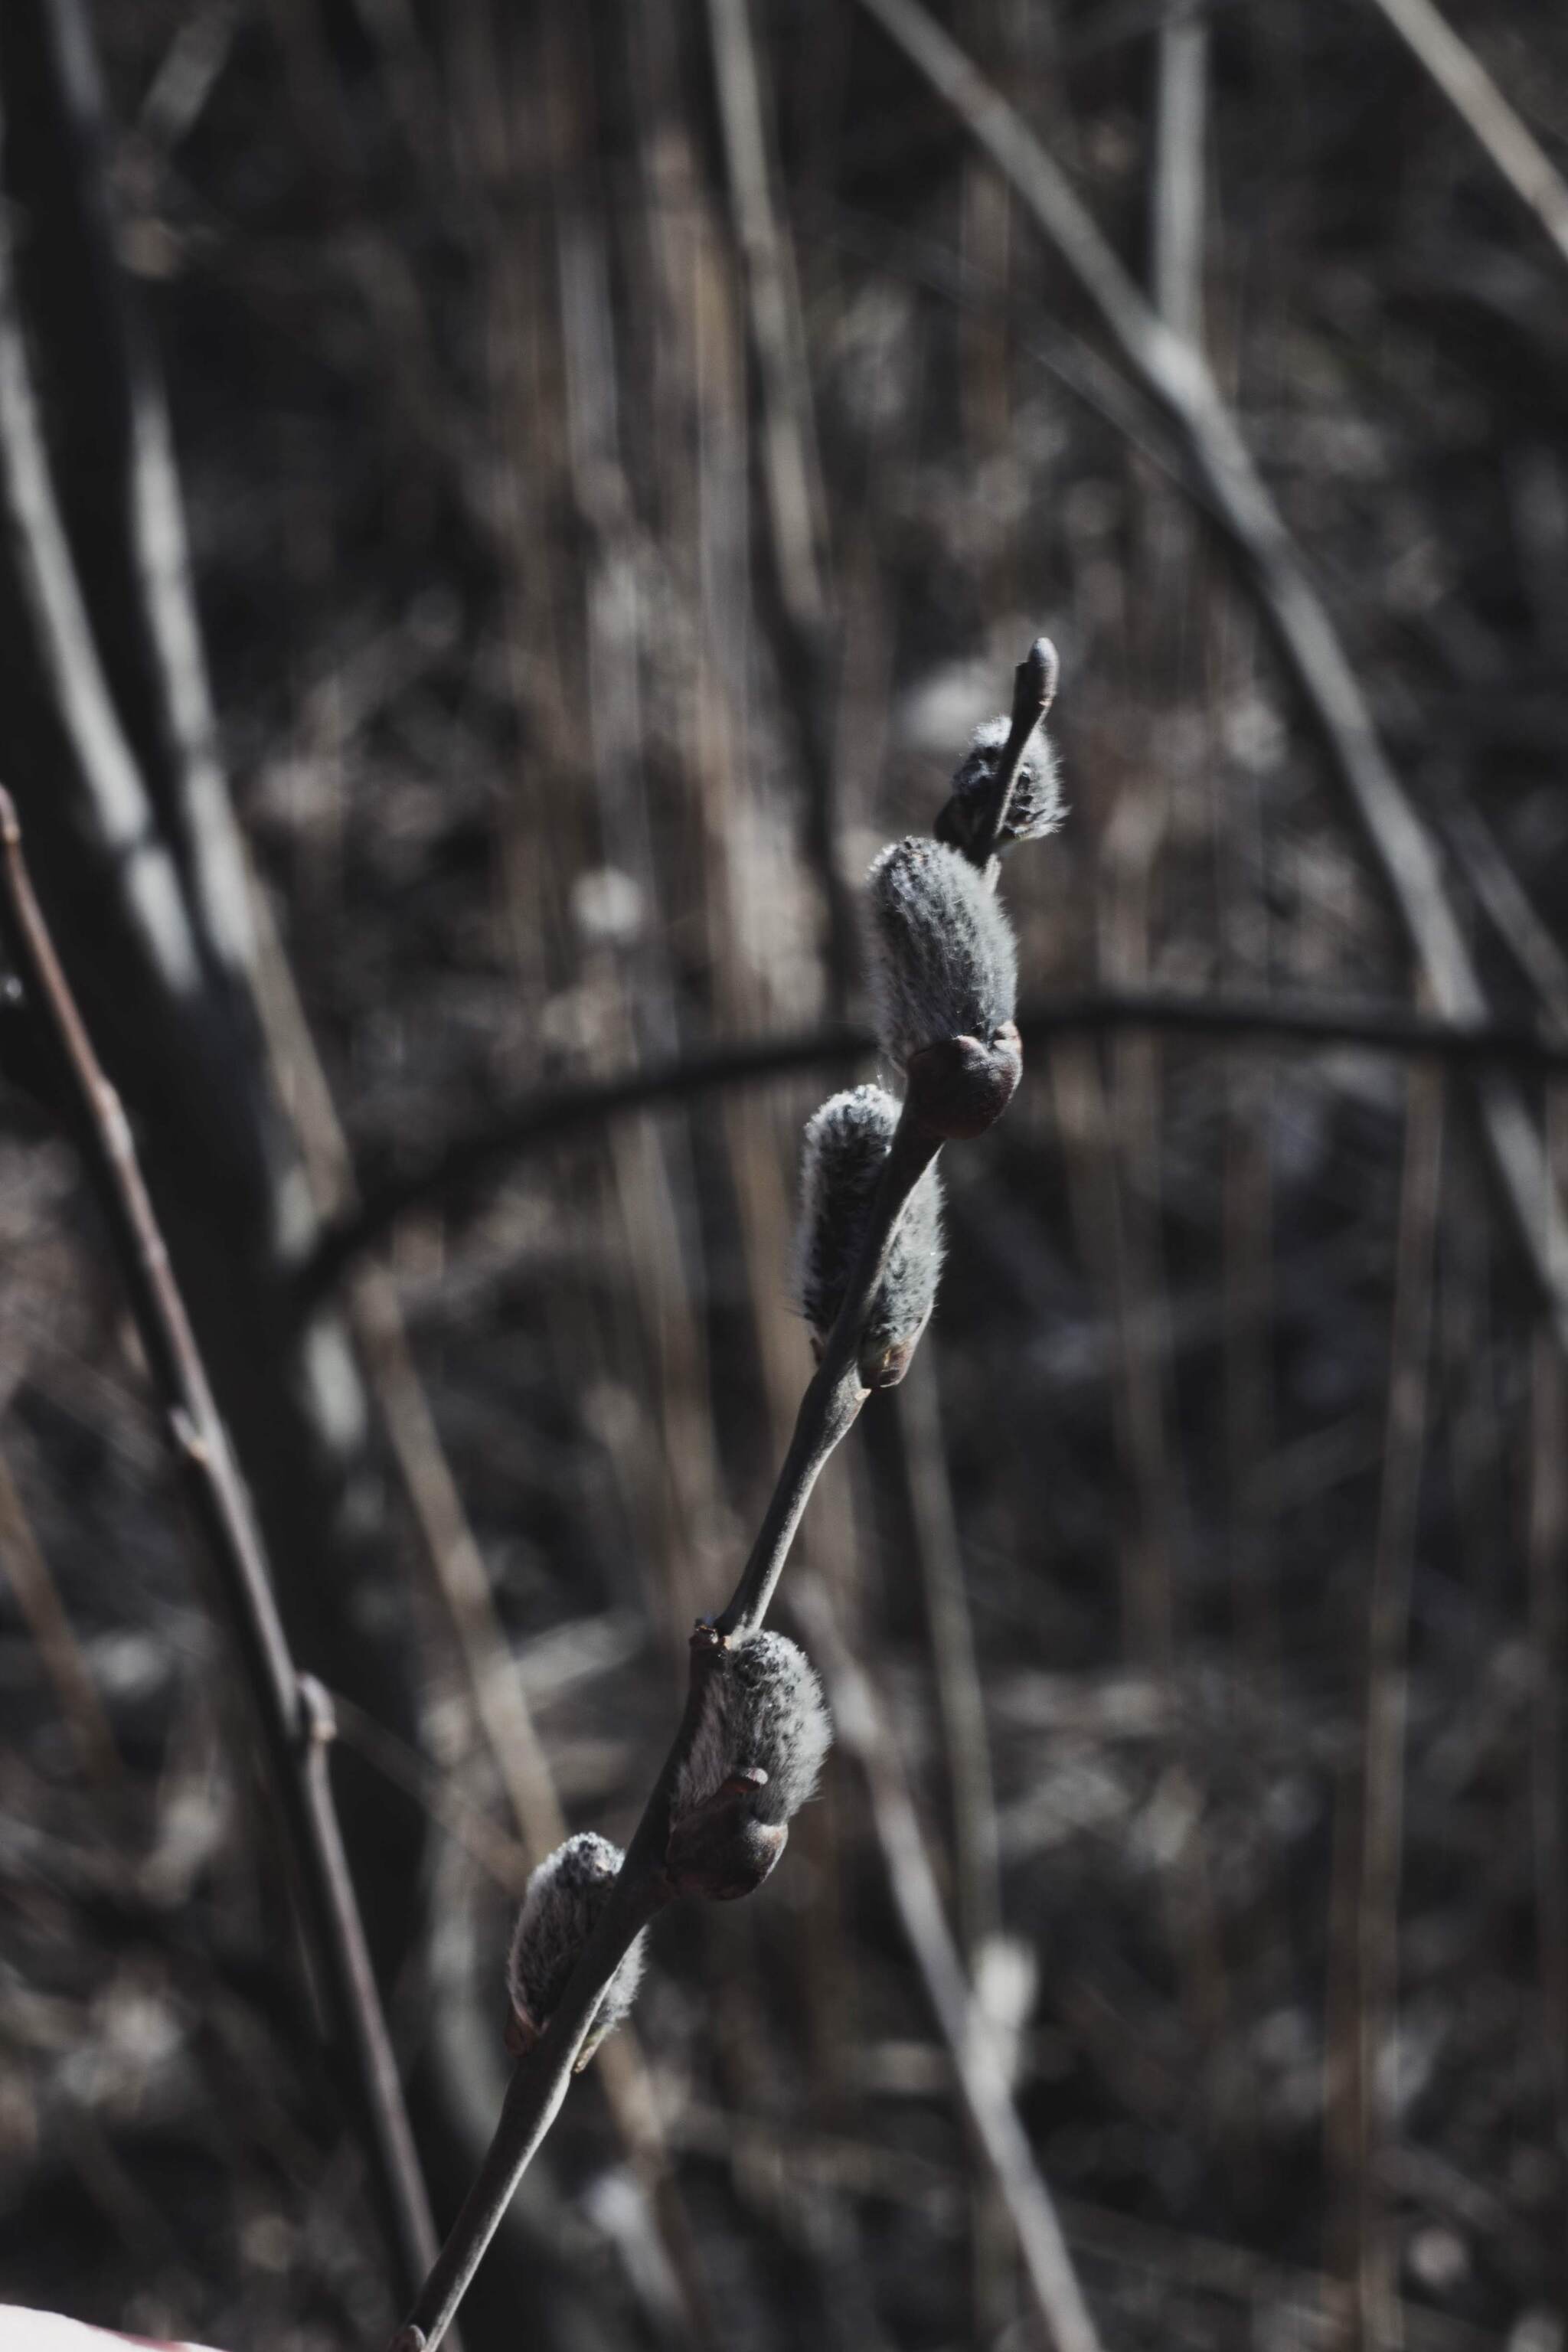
{"x":550,"y":1113}
{"x":829,"y":1411}
{"x":1481,"y":106}
{"x":293,"y":1714}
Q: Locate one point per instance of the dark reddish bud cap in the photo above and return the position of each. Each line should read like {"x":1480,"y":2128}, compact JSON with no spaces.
{"x":722,"y":1851}
{"x":960,"y":1087}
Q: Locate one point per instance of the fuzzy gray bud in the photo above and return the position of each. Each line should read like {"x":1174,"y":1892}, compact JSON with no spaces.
{"x":843,"y":1152}
{"x":1035,"y":809}
{"x":753,"y":1761}
{"x":945,"y":975}
{"x":561,"y":1909}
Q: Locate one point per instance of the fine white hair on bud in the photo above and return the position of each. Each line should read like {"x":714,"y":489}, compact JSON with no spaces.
{"x":1035,"y":809}
{"x":752,"y":1762}
{"x":944,"y":961}
{"x":561,"y":1907}
{"x":843,"y":1152}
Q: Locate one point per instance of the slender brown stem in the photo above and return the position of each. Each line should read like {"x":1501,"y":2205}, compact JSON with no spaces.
{"x":294,"y":1720}
{"x":828,"y":1413}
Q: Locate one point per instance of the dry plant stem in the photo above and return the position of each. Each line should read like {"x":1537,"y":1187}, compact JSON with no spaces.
{"x":1477,"y":100}
{"x":1179,"y":378}
{"x":961,"y":1696}
{"x":542,"y":1118}
{"x":44,"y":1612}
{"x":1548,"y":1554}
{"x":292,"y":1713}
{"x":829,"y":1410}
{"x":1381,"y":1806}
{"x":790,"y":471}
{"x":1048,"y":2266}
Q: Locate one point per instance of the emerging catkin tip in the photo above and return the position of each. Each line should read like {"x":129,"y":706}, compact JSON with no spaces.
{"x":1035,"y":809}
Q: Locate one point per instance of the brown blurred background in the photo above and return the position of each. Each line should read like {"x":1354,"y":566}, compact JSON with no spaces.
{"x":622,"y":453}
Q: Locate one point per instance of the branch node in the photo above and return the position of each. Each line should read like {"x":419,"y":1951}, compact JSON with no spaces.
{"x":317,"y":1724}
{"x":187,"y":1438}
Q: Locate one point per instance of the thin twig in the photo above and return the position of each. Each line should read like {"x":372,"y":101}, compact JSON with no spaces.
{"x":440,"y":1797}
{"x":961,"y":1697}
{"x":982,"y":2082}
{"x":550,"y":1113}
{"x":1509,"y":908}
{"x":115,"y":796}
{"x":294,"y":1714}
{"x":1374,"y":1931}
{"x":791,"y":472}
{"x":1182,"y":382}
{"x":37,"y":1597}
{"x":1481,"y":106}
{"x":829,"y":1411}
{"x":1548,"y":1559}
{"x":1176,"y":223}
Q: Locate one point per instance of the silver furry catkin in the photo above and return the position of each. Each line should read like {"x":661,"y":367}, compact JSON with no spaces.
{"x":944,"y":972}
{"x":561,"y":1907}
{"x":843,"y":1152}
{"x":758,"y":1749}
{"x":946,"y":964}
{"x":1036,"y":807}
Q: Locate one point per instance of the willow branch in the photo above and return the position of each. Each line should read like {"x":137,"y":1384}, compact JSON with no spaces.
{"x":829,"y":1412}
{"x":293,"y":1714}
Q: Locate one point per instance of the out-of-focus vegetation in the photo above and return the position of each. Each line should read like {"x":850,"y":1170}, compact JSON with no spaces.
{"x":575,"y":638}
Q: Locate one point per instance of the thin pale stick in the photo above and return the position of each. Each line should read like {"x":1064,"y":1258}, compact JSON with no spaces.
{"x":1376,"y":1930}
{"x":1486,"y":112}
{"x":982,"y":2084}
{"x":1180,"y":379}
